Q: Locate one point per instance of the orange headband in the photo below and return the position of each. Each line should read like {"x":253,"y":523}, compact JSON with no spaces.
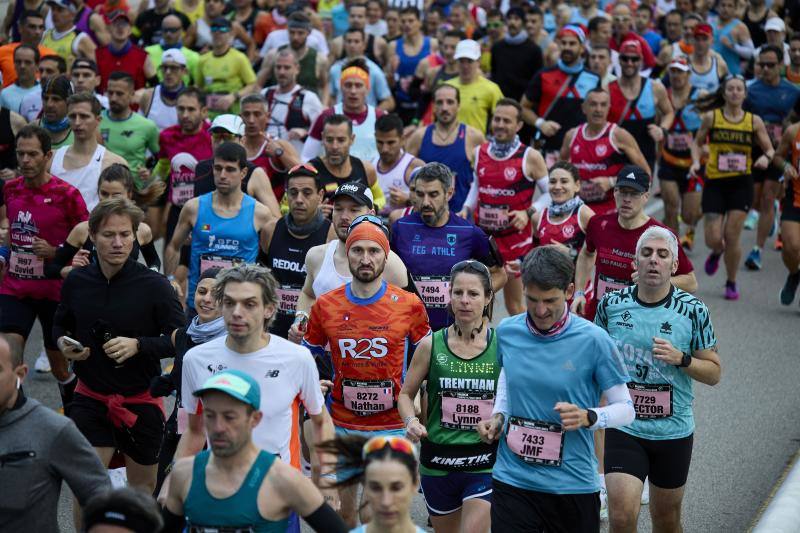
{"x":367,"y":231}
{"x":356,"y":72}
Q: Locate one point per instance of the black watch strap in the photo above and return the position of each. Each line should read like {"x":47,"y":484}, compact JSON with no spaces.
{"x":592,"y":416}
{"x":686,"y":360}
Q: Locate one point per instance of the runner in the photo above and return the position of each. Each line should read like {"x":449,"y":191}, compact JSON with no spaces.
{"x":326,"y":262}
{"x":117,"y":310}
{"x":406,"y":53}
{"x":773,"y":99}
{"x":80,"y":163}
{"x":459,"y":364}
{"x":671,"y":345}
{"x":730,"y":133}
{"x":680,"y":191}
{"x":367,"y":319}
{"x":160,"y":103}
{"x":506,"y":175}
{"x":173,"y":33}
{"x":481,"y":93}
{"x":563,"y":222}
{"x":121,"y":55}
{"x":10,"y":124}
{"x":545,"y":477}
{"x":708,"y":67}
{"x":64,"y":37}
{"x":223,"y":224}
{"x":599,"y":149}
{"x":288,"y":239}
{"x":394,"y":165}
{"x":611,"y":244}
{"x":732,"y":41}
{"x":53,"y":116}
{"x":26,"y":62}
{"x":639,"y":104}
{"x":433,"y":239}
{"x":40,"y":210}
{"x":49,"y":67}
{"x":552,"y":102}
{"x":85,"y":79}
{"x":202,"y":493}
{"x":449,"y":142}
{"x":435,"y":70}
{"x":787,"y":158}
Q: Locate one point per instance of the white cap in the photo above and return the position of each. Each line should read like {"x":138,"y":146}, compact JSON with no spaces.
{"x":468,"y":49}
{"x":173,"y":55}
{"x":775,"y":24}
{"x":230,"y":123}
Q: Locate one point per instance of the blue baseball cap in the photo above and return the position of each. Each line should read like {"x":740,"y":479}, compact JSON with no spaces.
{"x":235,"y":384}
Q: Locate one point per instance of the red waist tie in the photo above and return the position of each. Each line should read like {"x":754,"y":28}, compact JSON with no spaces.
{"x":117,"y":412}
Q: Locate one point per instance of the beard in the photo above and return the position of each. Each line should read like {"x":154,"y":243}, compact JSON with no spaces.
{"x":368,"y":277}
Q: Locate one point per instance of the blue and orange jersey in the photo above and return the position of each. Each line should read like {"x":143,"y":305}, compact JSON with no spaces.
{"x":370,"y":342}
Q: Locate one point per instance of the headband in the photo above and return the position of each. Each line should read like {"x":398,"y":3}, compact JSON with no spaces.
{"x":367,"y":232}
{"x":575,"y":30}
{"x":357,"y":72}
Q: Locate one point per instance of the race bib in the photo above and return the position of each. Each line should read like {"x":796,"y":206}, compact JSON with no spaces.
{"x":607,"y":284}
{"x":535,"y":441}
{"x":775,"y":132}
{"x":732,"y":162}
{"x":366,"y":398}
{"x":679,"y":141}
{"x":26,"y":264}
{"x":215,"y":103}
{"x":182,"y":192}
{"x":434,"y":290}
{"x":190,"y":528}
{"x":591,"y":192}
{"x":463,"y":410}
{"x":287,"y":299}
{"x":493,"y":217}
{"x":651,"y":401}
{"x":217,"y":261}
{"x":551,"y":158}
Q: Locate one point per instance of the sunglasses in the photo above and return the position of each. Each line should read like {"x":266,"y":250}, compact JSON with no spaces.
{"x":767,"y":64}
{"x":470,"y":264}
{"x":494,"y":25}
{"x":171,"y":68}
{"x":223,"y":136}
{"x":220,"y":29}
{"x":303,"y":166}
{"x":398,"y":444}
{"x":170,"y":30}
{"x":372,"y":219}
{"x":629,"y":59}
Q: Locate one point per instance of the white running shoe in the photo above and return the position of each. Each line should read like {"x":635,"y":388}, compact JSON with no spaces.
{"x":646,"y":492}
{"x":42,"y":365}
{"x":603,"y":504}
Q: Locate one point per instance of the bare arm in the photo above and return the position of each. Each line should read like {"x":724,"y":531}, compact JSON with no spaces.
{"x":186,"y":221}
{"x":686,"y":282}
{"x":260,"y":188}
{"x":100,"y":29}
{"x":417,"y":373}
{"x":414,"y":142}
{"x":625,"y":141}
{"x":564,"y":154}
{"x":699,"y":141}
{"x":665,"y":109}
{"x":499,"y":278}
{"x":583,"y":269}
{"x":193,"y":439}
{"x":387,"y":104}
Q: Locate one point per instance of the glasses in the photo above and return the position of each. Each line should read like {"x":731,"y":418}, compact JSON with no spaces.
{"x":628,"y":193}
{"x":220,"y":29}
{"x":766,"y":64}
{"x":470,"y":264}
{"x":372,"y":219}
{"x":171,"y":68}
{"x":629,"y":59}
{"x":303,"y":166}
{"x":494,"y":25}
{"x":223,"y":136}
{"x":170,"y":30}
{"x":398,"y":444}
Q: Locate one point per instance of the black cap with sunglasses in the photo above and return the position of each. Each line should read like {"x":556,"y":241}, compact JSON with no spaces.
{"x":220,"y":24}
{"x":355,"y":190}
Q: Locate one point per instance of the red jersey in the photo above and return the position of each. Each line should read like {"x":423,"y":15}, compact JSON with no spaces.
{"x":597,"y":157}
{"x":48,"y":212}
{"x":369,"y":340}
{"x":131,"y":62}
{"x":567,"y":232}
{"x":276,"y":175}
{"x":183,"y":153}
{"x":616,"y":250}
{"x":503,"y":186}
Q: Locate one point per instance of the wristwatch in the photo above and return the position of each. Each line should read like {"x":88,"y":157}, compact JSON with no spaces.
{"x":592,"y":417}
{"x":685,"y":361}
{"x":278,"y":151}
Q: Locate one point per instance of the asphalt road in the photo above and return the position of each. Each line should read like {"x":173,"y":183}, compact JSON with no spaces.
{"x":747,"y":427}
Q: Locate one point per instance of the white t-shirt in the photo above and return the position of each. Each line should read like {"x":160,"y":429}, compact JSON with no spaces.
{"x":277,"y":38}
{"x":287,"y":376}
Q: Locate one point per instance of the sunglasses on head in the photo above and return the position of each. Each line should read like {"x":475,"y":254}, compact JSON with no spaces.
{"x":221,"y":29}
{"x":372,"y":219}
{"x":470,"y":264}
{"x":304,"y":166}
{"x":398,"y":444}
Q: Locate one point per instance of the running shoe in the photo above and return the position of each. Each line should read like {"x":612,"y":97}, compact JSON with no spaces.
{"x":42,"y":364}
{"x":687,"y":241}
{"x":731,"y":292}
{"x":753,"y":261}
{"x":789,"y":289}
{"x":752,"y":220}
{"x":646,"y":492}
{"x":712,"y":263}
{"x":778,"y":243}
{"x":603,"y":503}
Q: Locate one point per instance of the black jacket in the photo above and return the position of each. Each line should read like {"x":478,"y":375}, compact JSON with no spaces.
{"x":136,"y":303}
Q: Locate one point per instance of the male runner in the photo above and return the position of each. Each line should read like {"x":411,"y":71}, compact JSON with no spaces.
{"x":287,"y":240}
{"x":372,"y":328}
{"x":64,"y":37}
{"x":223,"y":224}
{"x":355,"y":44}
{"x":507,"y":173}
{"x":41,"y":210}
{"x":81,"y":163}
{"x":599,"y":149}
{"x":611,"y":243}
{"x":85,"y":79}
{"x":121,"y":55}
{"x":50,"y":66}
{"x":53,"y":116}
{"x":666,"y":340}
{"x":733,"y":40}
{"x":159,"y":104}
{"x":787,"y":158}
{"x":26,"y":61}
{"x":481,"y":93}
{"x":393,"y":165}
{"x":708,"y":67}
{"x":172,"y":38}
{"x":449,"y":142}
{"x":122,"y":314}
{"x":432,"y":239}
{"x":265,"y":489}
{"x":30,"y":26}
{"x":545,"y":477}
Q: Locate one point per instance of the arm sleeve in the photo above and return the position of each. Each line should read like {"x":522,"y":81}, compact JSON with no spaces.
{"x":315,"y":337}
{"x":745,"y":50}
{"x":169,"y":315}
{"x":150,"y":255}
{"x":534,"y":92}
{"x":247,"y":73}
{"x":619,"y":411}
{"x":64,"y":255}
{"x":325,"y":519}
{"x":544,"y":199}
{"x":472,"y":196}
{"x":76,"y":461}
{"x":501,"y":398}
{"x":378,"y":198}
{"x":420,"y":327}
{"x":64,"y":319}
{"x":311,"y":148}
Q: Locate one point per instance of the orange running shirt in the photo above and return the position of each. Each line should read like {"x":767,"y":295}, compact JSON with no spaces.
{"x":369,"y":343}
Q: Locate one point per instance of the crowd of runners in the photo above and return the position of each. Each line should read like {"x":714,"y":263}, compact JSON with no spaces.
{"x":289,"y":222}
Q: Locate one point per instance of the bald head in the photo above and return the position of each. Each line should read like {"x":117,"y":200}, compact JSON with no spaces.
{"x":11,"y":350}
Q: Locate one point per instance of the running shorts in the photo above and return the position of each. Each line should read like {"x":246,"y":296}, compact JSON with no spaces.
{"x":728,"y":194}
{"x":686,"y":184}
{"x":446,"y":494}
{"x":770,"y":173}
{"x":665,"y":462}
{"x":17,"y":315}
{"x":790,"y":206}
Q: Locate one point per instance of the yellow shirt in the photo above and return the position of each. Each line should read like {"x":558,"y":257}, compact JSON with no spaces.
{"x":730,"y":147}
{"x":64,"y":46}
{"x":225,"y":74}
{"x":198,"y":13}
{"x":477,"y":101}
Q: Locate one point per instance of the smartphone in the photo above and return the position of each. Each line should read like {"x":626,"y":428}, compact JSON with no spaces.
{"x":75,"y":345}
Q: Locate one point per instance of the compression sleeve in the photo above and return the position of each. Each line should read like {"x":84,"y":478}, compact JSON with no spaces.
{"x":619,"y":411}
{"x":501,"y":399}
{"x":325,"y":519}
{"x":544,"y":199}
{"x":745,"y":50}
{"x":311,"y":149}
{"x":64,"y":255}
{"x":472,"y":196}
{"x":378,"y":198}
{"x":151,"y":256}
